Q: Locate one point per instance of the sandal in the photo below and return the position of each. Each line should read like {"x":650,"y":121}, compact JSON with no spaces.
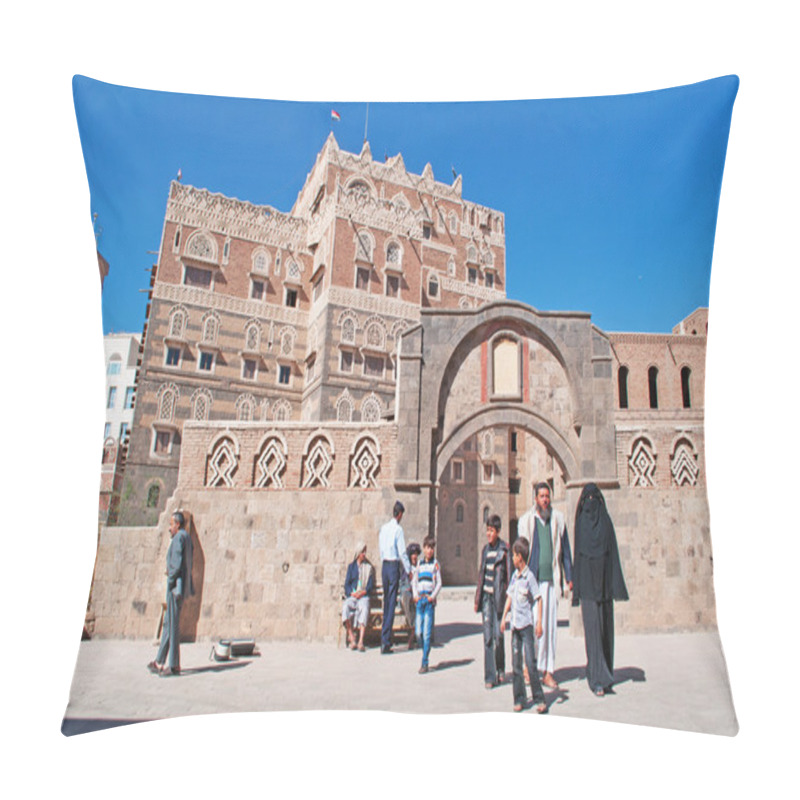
{"x":541,"y":708}
{"x":517,"y":708}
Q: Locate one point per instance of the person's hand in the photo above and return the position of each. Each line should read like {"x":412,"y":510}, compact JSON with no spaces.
{"x":539,"y":630}
{"x":502,"y":626}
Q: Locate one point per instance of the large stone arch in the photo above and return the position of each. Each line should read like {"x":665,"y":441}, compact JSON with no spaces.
{"x":435,"y":351}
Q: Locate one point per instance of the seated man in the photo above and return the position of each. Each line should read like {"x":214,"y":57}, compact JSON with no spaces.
{"x":406,"y":595}
{"x":358,"y":584}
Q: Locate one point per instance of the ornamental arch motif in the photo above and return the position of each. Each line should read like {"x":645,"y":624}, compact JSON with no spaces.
{"x":269,"y":468}
{"x":318,"y":456}
{"x":365,"y":462}
{"x":222,"y":461}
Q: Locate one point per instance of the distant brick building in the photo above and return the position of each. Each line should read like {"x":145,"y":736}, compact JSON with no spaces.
{"x":301,"y":371}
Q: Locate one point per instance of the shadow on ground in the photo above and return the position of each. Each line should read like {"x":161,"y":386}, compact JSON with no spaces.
{"x":455,"y":630}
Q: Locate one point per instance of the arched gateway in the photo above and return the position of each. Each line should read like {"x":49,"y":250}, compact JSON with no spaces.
{"x":488,"y":401}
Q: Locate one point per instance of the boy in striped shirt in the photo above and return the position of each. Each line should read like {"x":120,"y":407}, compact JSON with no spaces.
{"x":425,"y":586}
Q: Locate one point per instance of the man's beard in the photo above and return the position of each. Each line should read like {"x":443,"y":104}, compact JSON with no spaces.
{"x":544,"y":513}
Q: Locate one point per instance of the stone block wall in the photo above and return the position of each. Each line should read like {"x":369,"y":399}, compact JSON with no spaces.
{"x":665,"y":549}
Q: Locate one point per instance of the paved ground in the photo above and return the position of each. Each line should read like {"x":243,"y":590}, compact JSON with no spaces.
{"x":672,"y":680}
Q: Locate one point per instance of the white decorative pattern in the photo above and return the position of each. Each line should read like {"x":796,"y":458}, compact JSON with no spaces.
{"x":252,"y":336}
{"x":344,"y":407}
{"x":642,"y":463}
{"x":210,"y":325}
{"x":201,"y":245}
{"x":271,"y":464}
{"x":365,"y":463}
{"x":684,"y":464}
{"x":318,"y":464}
{"x":178,"y":318}
{"x":286,"y":336}
{"x":222,"y":463}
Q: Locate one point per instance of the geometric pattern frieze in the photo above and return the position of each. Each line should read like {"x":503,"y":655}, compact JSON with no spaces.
{"x":222,"y":464}
{"x":642,"y":463}
{"x":684,"y":464}
{"x":271,"y":465}
{"x":365,"y":463}
{"x":317,"y":465}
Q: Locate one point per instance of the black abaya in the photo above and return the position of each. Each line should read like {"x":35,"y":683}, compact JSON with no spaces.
{"x":597,"y":582}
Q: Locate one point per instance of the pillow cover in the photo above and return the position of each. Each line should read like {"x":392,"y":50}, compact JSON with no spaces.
{"x":464,"y":302}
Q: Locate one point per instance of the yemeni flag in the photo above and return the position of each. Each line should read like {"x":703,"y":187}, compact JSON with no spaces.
{"x":335,"y":115}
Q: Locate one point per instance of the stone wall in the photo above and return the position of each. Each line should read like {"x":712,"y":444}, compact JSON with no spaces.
{"x":665,"y":549}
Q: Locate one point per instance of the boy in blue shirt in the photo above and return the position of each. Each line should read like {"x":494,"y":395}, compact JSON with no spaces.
{"x":425,"y":585}
{"x":523,"y":592}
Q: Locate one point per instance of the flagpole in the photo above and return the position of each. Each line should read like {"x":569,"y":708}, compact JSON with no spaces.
{"x":366,"y":122}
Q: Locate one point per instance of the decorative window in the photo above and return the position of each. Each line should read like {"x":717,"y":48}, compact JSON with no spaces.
{"x":344,"y":408}
{"x":433,"y":286}
{"x":642,"y":463}
{"x":252,"y":337}
{"x":451,"y":267}
{"x":371,"y":409}
{"x":114,"y":365}
{"x":487,"y":258}
{"x":364,"y":246}
{"x":287,"y":337}
{"x":457,"y":470}
{"x":282,"y":411}
{"x":375,"y":335}
{"x":683,"y":464}
{"x":318,"y":464}
{"x":210,"y":328}
{"x":201,"y":246}
{"x":426,"y":231}
{"x":393,"y":255}
{"x":489,"y":280}
{"x":622,"y":385}
{"x":472,"y":254}
{"x":652,"y":382}
{"x":177,"y":322}
{"x":167,"y":399}
{"x":129,"y":392}
{"x":222,"y":463}
{"x":261,"y":262}
{"x":245,"y":408}
{"x":271,"y":464}
{"x":112,"y":397}
{"x":201,"y":405}
{"x":293,"y":271}
{"x":472,"y":275}
{"x":365,"y":464}
{"x":686,"y":375}
{"x":348,"y":324}
{"x":459,"y":512}
{"x":359,"y":190}
{"x":487,"y":444}
{"x":453,"y":223}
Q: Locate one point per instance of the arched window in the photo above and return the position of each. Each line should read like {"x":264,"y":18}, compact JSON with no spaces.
{"x":652,"y":380}
{"x":459,"y":512}
{"x":686,"y":375}
{"x":622,"y":379}
{"x":153,"y":493}
{"x":393,"y":255}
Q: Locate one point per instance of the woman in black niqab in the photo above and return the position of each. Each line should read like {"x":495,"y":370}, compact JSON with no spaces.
{"x":597,"y":582}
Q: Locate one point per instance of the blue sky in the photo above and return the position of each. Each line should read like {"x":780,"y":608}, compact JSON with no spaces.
{"x":610,"y":202}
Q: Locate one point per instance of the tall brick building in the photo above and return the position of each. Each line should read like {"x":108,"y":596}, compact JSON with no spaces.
{"x":260,"y":315}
